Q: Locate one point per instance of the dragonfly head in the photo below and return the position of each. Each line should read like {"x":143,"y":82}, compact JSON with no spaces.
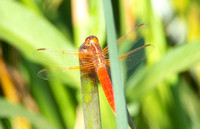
{"x":91,"y":40}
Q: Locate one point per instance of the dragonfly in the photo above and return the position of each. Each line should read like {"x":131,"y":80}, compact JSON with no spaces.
{"x":95,"y":59}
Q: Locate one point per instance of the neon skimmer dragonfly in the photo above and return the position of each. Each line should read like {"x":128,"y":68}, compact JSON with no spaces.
{"x":95,"y":59}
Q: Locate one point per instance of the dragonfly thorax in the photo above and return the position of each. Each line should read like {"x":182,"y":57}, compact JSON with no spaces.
{"x":92,"y":52}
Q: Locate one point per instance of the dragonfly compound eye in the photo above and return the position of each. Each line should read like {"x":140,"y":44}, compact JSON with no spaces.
{"x":91,"y":40}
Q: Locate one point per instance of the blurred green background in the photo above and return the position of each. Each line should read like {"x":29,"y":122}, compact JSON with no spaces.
{"x":162,"y":93}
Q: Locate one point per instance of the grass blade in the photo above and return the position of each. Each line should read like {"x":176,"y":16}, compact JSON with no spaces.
{"x":122,"y":121}
{"x":180,"y":59}
{"x":15,"y":110}
{"x":90,"y":98}
{"x":28,"y":31}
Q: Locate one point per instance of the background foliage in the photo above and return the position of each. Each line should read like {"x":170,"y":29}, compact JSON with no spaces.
{"x":161,"y":93}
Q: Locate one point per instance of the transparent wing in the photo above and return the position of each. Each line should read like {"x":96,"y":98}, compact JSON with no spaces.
{"x":63,"y":64}
{"x":135,"y":56}
{"x":57,"y":57}
{"x":56,"y":73}
{"x":62,"y":73}
{"x":134,"y":35}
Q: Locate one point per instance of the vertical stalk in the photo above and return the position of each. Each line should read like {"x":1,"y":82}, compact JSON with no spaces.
{"x":122,"y":115}
{"x":90,"y":99}
{"x":130,"y":121}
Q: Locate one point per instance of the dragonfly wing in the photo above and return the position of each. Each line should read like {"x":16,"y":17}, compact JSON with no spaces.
{"x":56,"y":73}
{"x":136,"y":34}
{"x":56,"y":57}
{"x":135,"y":56}
{"x":61,"y":74}
{"x":63,"y":64}
{"x":55,"y":52}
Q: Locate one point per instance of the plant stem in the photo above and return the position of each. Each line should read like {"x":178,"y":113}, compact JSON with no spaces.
{"x":90,"y":98}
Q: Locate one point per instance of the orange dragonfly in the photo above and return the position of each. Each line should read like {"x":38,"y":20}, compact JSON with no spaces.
{"x":94,"y":58}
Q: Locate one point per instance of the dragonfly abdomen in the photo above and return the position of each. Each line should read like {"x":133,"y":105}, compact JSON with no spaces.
{"x":106,"y":85}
